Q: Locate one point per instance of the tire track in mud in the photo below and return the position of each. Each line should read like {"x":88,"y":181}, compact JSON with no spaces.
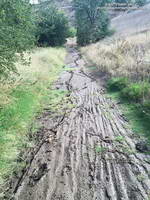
{"x":91,"y":154}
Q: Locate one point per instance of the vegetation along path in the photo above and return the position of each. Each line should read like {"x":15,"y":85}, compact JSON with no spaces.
{"x":86,"y":153}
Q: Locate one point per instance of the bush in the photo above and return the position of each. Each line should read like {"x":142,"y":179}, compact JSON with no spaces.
{"x":52,"y":27}
{"x":136,"y":91}
{"x":72,"y":32}
{"x":117,"y":83}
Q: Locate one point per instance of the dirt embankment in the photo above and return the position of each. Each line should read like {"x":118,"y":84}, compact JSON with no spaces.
{"x":132,"y":22}
{"x":88,"y":153}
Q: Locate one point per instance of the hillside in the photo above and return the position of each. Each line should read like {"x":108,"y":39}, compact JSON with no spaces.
{"x":133,"y":22}
{"x":64,"y":5}
{"x":126,"y":53}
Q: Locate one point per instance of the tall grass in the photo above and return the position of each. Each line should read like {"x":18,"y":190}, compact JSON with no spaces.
{"x":128,"y":57}
{"x":20,"y":101}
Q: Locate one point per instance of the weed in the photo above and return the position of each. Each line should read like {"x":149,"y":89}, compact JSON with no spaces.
{"x":141,"y":177}
{"x":100,"y":149}
{"x":119,"y":138}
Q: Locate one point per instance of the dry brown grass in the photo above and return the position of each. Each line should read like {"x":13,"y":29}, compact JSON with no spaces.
{"x":128,"y":57}
{"x":42,"y":62}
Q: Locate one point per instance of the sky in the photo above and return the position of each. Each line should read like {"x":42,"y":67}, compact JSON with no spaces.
{"x":34,"y":1}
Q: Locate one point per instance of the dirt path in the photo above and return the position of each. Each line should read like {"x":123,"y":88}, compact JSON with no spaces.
{"x":89,"y":153}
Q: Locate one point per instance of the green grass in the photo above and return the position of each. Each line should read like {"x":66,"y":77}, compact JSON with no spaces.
{"x":26,"y":100}
{"x":119,"y":138}
{"x":135,"y":102}
{"x":100,"y":149}
{"x":92,"y":68}
{"x":136,"y":91}
{"x":118,"y":83}
{"x":141,"y":177}
{"x":138,"y":119}
{"x":69,"y":69}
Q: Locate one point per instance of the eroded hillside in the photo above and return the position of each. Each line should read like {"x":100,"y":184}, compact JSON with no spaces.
{"x":132,"y":22}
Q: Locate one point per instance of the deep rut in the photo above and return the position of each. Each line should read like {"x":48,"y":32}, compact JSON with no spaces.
{"x":90,"y":154}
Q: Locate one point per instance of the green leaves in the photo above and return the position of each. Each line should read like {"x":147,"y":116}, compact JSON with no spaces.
{"x":92,"y":21}
{"x":16,"y":33}
{"x":52,"y":26}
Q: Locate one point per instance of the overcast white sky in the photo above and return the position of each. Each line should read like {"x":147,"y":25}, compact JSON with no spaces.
{"x":34,"y":1}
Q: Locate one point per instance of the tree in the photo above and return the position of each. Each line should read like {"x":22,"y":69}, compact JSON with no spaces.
{"x":16,"y":33}
{"x":52,"y":26}
{"x":92,"y":21}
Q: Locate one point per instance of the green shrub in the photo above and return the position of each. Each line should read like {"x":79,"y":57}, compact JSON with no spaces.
{"x":146,"y":106}
{"x":117,"y":83}
{"x":72,"y":32}
{"x":136,"y":91}
{"x":52,"y":27}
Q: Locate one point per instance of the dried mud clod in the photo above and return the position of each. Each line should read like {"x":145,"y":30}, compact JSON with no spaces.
{"x":88,"y":153}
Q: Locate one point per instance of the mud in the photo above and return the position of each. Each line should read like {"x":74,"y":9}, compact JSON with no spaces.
{"x":87,"y":154}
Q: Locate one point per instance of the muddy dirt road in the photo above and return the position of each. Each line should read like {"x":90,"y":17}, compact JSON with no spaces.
{"x":89,"y":153}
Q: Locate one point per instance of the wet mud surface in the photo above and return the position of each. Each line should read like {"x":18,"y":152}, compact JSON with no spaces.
{"x":87,"y":154}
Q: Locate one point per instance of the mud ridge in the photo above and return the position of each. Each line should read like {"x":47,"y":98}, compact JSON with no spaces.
{"x":88,"y":153}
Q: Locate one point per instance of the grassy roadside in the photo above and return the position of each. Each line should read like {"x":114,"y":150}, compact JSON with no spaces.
{"x":20,"y":102}
{"x":135,"y":102}
{"x":139,"y":120}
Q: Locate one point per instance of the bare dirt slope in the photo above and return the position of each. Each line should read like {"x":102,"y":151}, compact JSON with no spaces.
{"x":132,"y":22}
{"x":89,"y":152}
